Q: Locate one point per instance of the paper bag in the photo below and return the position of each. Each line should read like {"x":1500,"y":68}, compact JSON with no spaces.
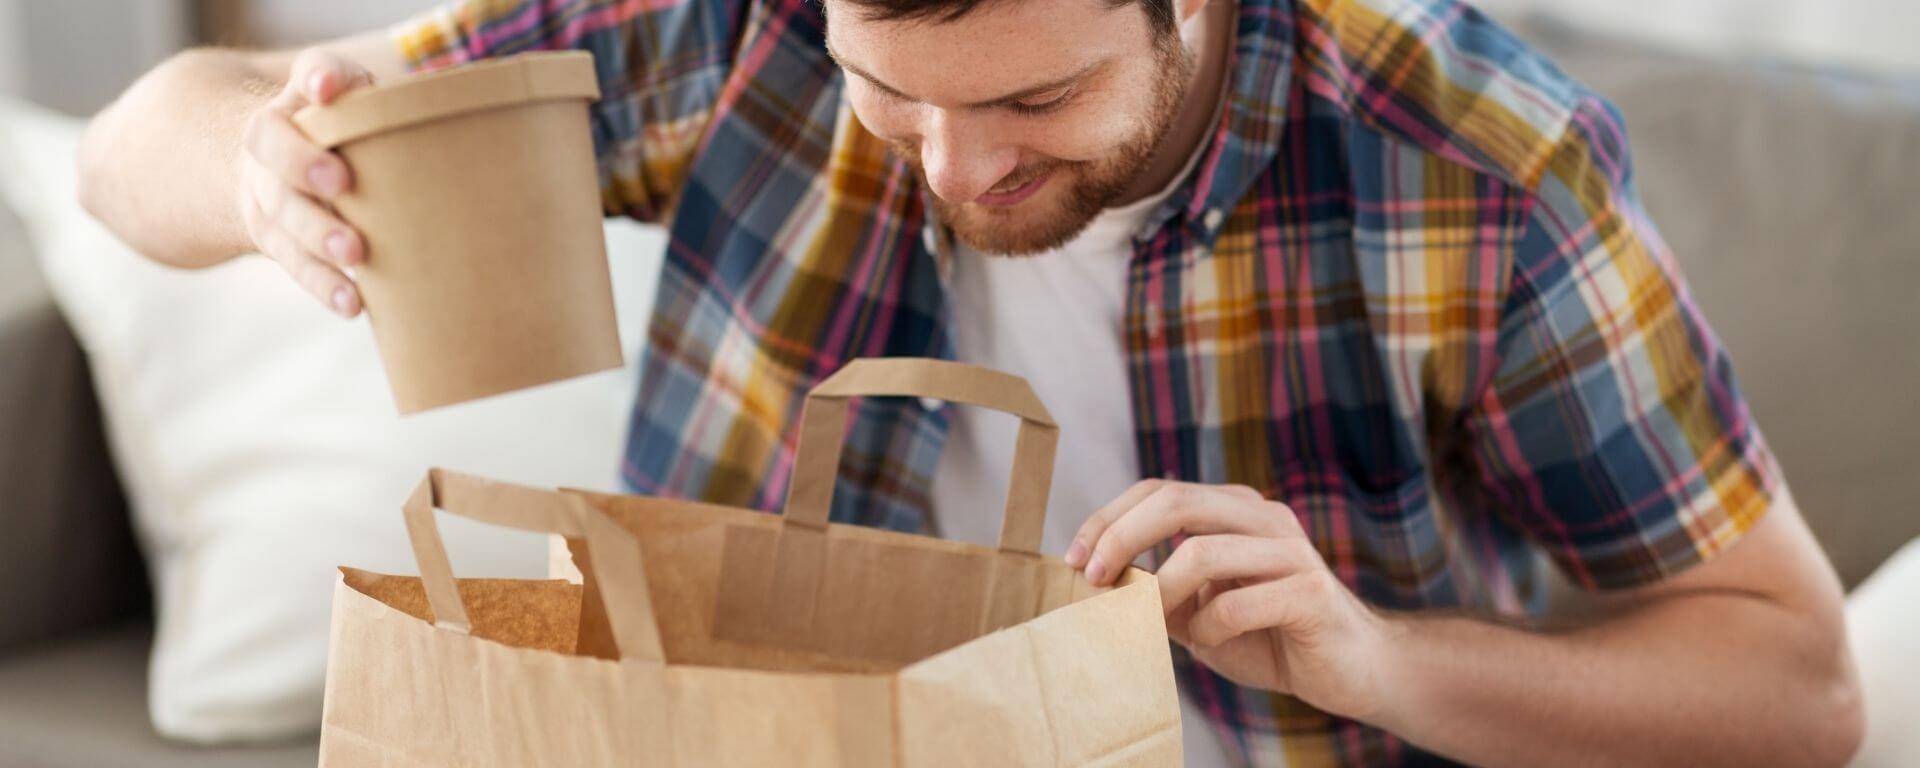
{"x":707,"y":635}
{"x":476,"y":191}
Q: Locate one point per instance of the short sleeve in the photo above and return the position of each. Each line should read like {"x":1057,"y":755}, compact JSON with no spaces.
{"x":1613,"y":433}
{"x":661,"y":67}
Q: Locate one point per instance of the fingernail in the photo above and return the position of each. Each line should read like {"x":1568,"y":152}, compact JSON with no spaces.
{"x":1096,"y":572}
{"x":340,"y":246}
{"x":1076,"y":554}
{"x":325,"y":177}
{"x":343,"y":300}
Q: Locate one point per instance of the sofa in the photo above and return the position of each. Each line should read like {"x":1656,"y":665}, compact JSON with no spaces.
{"x":1787,"y":195}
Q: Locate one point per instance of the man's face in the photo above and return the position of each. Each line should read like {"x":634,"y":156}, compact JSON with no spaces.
{"x":1025,"y":118}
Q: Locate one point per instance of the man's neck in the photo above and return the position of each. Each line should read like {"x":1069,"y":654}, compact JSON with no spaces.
{"x":1209,"y":34}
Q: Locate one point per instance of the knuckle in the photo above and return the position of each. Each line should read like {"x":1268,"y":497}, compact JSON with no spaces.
{"x":275,"y":249}
{"x":310,"y":60}
{"x":1282,"y":515}
{"x":283,"y":250}
{"x":1233,"y":611}
{"x":1202,"y":552}
{"x":301,"y":216}
{"x":1173,"y":494}
{"x":271,"y":195}
{"x":1319,"y":584}
{"x":252,"y":136}
{"x":250,"y":216}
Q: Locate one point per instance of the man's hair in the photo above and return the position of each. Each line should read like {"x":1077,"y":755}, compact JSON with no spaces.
{"x":1159,"y":12}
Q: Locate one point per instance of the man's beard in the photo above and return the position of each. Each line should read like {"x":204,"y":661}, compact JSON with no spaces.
{"x":1096,"y":184}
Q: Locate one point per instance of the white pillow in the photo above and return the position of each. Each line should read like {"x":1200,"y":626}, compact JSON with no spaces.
{"x":260,"y":448}
{"x":1883,"y":625}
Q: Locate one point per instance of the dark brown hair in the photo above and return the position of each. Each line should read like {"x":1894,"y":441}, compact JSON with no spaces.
{"x":1159,"y":12}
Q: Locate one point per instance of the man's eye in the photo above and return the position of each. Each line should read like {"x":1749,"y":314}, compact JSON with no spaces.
{"x":1044,"y":103}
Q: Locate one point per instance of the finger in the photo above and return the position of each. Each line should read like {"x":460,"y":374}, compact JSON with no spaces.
{"x":1097,"y":523}
{"x":1228,"y":557}
{"x":316,"y":230}
{"x":1183,"y":508}
{"x":1293,"y":605}
{"x":289,"y":155}
{"x":1182,"y":617}
{"x":321,"y":75}
{"x":1177,"y":621}
{"x":325,"y":283}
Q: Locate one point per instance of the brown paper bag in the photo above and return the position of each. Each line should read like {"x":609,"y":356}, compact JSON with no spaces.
{"x":476,"y":190}
{"x":715,"y":636}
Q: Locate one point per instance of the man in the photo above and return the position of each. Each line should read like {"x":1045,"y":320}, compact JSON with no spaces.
{"x":1361,"y":286}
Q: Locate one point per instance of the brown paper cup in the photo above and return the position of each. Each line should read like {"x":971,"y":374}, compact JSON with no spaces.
{"x":476,"y":191}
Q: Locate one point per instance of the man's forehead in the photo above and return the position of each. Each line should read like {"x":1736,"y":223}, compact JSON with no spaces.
{"x":997,"y":48}
{"x":939,"y":12}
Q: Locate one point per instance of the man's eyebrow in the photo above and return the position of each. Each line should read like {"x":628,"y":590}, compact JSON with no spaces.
{"x":999,"y":101}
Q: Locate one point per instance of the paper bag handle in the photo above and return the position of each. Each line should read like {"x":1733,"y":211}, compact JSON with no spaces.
{"x":823,"y":421}
{"x":615,"y":563}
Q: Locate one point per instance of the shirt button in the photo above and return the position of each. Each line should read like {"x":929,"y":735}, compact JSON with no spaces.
{"x":1213,"y":218}
{"x":931,"y":404}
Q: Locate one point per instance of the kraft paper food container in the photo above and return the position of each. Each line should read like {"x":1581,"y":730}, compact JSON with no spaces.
{"x":477,"y":195}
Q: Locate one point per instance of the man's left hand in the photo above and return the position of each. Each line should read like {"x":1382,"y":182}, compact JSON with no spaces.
{"x":1246,"y":592}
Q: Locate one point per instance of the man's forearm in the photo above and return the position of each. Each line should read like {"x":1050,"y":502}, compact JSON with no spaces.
{"x":160,"y":166}
{"x":1717,"y":678}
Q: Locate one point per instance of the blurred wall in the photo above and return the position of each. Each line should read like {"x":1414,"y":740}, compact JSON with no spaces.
{"x":75,"y":55}
{"x":279,"y":23}
{"x":1880,"y":36}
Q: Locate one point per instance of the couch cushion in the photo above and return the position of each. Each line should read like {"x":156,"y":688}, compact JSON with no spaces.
{"x":1883,"y":626}
{"x":82,"y":704}
{"x":260,"y":448}
{"x":1788,"y":197}
{"x":67,"y":559}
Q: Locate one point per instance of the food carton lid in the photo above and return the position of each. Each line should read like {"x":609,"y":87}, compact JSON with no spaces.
{"x":444,"y":93}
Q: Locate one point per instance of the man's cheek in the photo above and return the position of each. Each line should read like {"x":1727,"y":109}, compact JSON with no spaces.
{"x":1080,"y":139}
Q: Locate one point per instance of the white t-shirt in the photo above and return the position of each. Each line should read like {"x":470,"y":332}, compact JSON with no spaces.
{"x":1055,"y":319}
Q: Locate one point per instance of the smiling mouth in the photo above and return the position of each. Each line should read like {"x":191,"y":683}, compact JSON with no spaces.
{"x":1010,"y":194}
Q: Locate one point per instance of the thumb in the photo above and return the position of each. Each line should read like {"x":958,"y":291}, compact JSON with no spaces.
{"x":321,"y":76}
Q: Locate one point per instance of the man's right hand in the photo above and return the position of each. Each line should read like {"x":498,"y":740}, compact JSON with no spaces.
{"x":287,"y":184}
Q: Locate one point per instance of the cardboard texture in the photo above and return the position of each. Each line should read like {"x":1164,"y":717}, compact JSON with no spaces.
{"x":707,"y":635}
{"x":477,"y":193}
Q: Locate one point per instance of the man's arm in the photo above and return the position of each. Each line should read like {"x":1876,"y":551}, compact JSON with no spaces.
{"x":1741,"y":660}
{"x":197,"y":161}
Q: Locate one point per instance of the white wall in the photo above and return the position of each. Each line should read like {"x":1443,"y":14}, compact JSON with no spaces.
{"x":1873,"y":35}
{"x":75,"y":55}
{"x":295,"y":22}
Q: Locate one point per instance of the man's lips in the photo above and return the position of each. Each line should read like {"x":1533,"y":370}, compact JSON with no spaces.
{"x":1015,"y":195}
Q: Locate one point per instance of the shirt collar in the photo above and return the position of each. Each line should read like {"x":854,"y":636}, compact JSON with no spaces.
{"x":1246,"y":139}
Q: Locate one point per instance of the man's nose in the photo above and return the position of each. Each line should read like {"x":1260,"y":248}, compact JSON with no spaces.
{"x":961,"y":160}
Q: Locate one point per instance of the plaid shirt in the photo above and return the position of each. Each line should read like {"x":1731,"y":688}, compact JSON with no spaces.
{"x":1409,"y":290}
